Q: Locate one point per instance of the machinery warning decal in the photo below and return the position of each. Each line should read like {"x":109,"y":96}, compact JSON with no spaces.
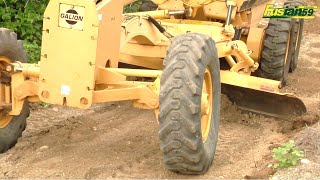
{"x":71,"y":17}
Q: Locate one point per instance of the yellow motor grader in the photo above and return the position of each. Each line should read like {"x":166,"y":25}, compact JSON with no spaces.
{"x":175,"y":60}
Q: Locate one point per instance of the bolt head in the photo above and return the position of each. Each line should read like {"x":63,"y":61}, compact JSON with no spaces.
{"x":9,"y":68}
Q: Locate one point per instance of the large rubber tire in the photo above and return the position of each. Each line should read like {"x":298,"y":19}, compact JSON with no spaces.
{"x":148,"y":5}
{"x":275,"y":50}
{"x":11,"y":48}
{"x":296,"y":36}
{"x":180,"y":104}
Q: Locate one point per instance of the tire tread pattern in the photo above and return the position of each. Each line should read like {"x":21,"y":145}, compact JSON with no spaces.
{"x":179,"y":111}
{"x":275,"y":48}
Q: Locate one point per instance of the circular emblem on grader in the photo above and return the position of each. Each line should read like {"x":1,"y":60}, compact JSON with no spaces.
{"x":72,"y":17}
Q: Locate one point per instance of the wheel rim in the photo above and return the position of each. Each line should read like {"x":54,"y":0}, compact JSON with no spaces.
{"x":206,"y":105}
{"x":5,"y":119}
{"x":287,"y":49}
{"x":298,"y":35}
{"x":286,"y":63}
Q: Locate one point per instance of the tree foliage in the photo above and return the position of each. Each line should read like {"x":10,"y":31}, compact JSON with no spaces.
{"x":25,"y":18}
{"x":133,"y":7}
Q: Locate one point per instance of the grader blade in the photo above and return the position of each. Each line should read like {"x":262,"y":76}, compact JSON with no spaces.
{"x":260,"y":95}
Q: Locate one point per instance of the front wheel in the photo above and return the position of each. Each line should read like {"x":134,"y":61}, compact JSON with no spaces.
{"x":11,"y":127}
{"x":189,"y":110}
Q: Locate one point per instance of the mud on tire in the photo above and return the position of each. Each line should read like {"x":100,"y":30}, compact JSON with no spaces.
{"x":12,"y":48}
{"x":187,"y":58}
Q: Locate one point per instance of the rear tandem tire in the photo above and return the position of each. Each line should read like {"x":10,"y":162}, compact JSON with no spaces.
{"x":275,"y":50}
{"x":180,"y":122}
{"x":281,"y":46}
{"x":296,"y":37}
{"x":12,"y":48}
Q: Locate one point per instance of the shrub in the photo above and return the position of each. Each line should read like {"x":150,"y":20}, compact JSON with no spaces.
{"x":287,"y":155}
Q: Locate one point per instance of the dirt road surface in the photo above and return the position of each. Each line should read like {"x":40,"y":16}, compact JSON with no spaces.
{"x":115,"y":140}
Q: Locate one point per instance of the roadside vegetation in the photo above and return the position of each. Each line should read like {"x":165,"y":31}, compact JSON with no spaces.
{"x":287,"y":155}
{"x":25,"y":18}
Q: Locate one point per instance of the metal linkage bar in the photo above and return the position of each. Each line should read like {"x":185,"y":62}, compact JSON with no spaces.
{"x":136,"y":72}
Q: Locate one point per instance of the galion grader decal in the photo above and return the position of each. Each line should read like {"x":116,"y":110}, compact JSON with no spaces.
{"x":182,"y":55}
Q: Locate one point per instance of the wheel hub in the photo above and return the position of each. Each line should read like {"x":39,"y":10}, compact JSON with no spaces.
{"x":5,"y":119}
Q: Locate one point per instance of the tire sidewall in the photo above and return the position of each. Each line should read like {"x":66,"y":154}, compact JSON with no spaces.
{"x":10,"y":134}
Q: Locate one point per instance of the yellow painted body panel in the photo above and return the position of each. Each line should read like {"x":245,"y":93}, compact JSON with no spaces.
{"x":110,"y":16}
{"x":68,"y":55}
